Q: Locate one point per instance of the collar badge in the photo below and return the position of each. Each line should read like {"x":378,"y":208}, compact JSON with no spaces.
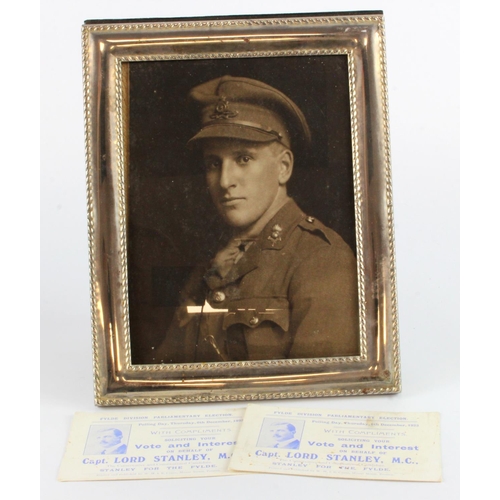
{"x":275,"y":234}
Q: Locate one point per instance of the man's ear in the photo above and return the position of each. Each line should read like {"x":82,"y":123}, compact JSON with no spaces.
{"x":285,"y":166}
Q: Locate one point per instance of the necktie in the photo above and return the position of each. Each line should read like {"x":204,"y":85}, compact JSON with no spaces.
{"x":230,"y":255}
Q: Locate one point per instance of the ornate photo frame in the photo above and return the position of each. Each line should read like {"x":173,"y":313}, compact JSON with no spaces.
{"x":151,"y":222}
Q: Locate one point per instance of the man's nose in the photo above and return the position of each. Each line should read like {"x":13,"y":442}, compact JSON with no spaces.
{"x":227,"y":174}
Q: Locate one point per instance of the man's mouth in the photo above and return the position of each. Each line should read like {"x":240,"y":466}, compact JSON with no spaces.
{"x":230,"y":201}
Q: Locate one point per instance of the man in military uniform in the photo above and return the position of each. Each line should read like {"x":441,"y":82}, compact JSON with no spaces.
{"x":285,"y":285}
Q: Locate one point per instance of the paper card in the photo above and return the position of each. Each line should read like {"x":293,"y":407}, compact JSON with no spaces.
{"x":143,"y":444}
{"x":339,"y":443}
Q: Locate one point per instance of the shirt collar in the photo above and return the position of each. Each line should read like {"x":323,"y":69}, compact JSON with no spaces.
{"x":284,"y":444}
{"x":110,"y":451}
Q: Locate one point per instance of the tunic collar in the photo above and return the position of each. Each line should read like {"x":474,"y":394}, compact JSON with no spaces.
{"x":278,"y":229}
{"x":272,"y":237}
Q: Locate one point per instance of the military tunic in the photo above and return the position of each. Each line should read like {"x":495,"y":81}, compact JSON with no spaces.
{"x":292,"y":294}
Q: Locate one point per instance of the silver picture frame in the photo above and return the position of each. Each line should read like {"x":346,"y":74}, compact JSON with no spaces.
{"x":134,"y":67}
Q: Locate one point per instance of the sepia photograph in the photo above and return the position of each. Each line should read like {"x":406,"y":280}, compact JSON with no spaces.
{"x":241,"y":232}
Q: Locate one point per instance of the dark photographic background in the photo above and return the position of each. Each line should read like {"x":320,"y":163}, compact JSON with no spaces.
{"x":172,"y":225}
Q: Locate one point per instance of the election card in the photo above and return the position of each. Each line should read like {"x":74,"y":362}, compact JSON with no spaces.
{"x":146,"y":444}
{"x":339,"y":443}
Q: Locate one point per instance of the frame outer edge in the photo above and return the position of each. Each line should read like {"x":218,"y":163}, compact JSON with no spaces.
{"x":101,"y":398}
{"x":90,"y":209}
{"x":390,"y":211}
{"x":254,"y":20}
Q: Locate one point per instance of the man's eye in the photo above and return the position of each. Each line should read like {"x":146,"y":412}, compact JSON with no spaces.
{"x":212,"y":165}
{"x":243,"y":160}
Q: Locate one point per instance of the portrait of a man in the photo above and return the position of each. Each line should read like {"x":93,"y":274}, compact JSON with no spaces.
{"x":283,"y":434}
{"x":110,"y":442}
{"x":267,"y":277}
{"x":283,"y":285}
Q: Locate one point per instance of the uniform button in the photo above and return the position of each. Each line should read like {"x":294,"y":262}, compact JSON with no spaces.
{"x":254,"y":320}
{"x":310,"y":219}
{"x":219,"y":296}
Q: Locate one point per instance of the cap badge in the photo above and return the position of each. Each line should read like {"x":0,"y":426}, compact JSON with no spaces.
{"x":275,"y":234}
{"x":222,"y":110}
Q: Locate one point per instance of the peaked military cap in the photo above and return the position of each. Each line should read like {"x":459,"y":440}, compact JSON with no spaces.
{"x":242,"y":108}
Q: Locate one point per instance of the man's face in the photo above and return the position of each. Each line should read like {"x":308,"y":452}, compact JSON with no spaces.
{"x":243,"y":178}
{"x":281,"y":433}
{"x":107,"y":439}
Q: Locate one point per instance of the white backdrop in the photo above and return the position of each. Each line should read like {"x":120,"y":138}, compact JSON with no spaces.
{"x":423,"y":74}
